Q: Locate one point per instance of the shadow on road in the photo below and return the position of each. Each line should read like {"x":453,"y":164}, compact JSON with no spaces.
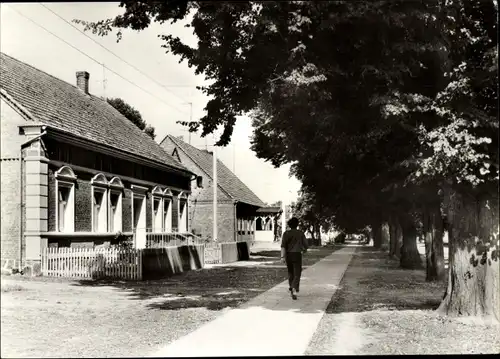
{"x":213,"y":288}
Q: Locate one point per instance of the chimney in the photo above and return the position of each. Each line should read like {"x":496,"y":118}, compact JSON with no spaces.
{"x":82,"y":81}
{"x":180,"y":138}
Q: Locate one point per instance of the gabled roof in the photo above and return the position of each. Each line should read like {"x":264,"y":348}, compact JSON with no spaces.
{"x":226,"y":180}
{"x":56,"y":103}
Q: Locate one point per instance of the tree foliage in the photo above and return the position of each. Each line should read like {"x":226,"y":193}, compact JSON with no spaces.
{"x":378,"y":105}
{"x":316,"y":96}
{"x":132,"y":115}
{"x":461,"y":145}
{"x":312,"y":217}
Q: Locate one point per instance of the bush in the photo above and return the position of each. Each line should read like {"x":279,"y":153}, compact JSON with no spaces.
{"x":124,"y":241}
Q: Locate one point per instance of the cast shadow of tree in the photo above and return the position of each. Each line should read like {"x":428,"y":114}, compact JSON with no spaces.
{"x":375,"y":281}
{"x":212,"y":288}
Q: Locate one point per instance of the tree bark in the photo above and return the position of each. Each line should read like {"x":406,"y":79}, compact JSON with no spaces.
{"x":385,"y":236}
{"x":311,"y":231}
{"x":377,"y":235}
{"x":473,"y":282}
{"x":318,"y":236}
{"x":410,"y":258}
{"x":434,"y":250}
{"x":396,"y":238}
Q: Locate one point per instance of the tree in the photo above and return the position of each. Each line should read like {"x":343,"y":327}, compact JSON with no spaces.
{"x":326,"y":114}
{"x":312,"y":217}
{"x":132,"y":115}
{"x":338,"y":106}
{"x":460,"y":150}
{"x":464,"y":153}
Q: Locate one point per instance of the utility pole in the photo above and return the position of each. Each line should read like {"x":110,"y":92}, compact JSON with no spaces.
{"x":214,"y":155}
{"x":103,"y":81}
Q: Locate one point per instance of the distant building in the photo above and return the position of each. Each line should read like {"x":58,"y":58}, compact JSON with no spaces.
{"x":241,"y":215}
{"x":75,"y":172}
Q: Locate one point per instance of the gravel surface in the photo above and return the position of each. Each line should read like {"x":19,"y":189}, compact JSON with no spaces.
{"x":53,"y":317}
{"x":380,"y":309}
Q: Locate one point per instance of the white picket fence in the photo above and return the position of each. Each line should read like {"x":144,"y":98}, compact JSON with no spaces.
{"x":92,"y":263}
{"x":164,"y":240}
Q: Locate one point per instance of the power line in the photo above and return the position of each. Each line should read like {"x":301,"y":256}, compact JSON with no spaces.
{"x":118,"y":57}
{"x":96,"y":61}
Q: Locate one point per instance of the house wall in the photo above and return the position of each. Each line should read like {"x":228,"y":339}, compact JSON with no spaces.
{"x":225,"y":221}
{"x":10,"y":185}
{"x":83,"y":203}
{"x":127,"y":210}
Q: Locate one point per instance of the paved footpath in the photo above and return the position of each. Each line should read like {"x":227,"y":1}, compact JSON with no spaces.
{"x":272,"y":323}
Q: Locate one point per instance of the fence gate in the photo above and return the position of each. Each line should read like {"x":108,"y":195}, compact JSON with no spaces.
{"x":213,"y":253}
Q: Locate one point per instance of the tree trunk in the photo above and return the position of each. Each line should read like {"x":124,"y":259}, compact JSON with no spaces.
{"x":434,"y":250}
{"x":396,"y":238}
{"x":473,"y":282}
{"x":377,"y":235}
{"x":384,"y":234}
{"x":318,"y":236}
{"x":410,"y":258}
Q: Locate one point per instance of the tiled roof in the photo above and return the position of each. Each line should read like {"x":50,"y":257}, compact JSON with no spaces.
{"x":226,"y":179}
{"x":57,"y":103}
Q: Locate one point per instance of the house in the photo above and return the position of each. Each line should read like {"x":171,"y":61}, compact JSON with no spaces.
{"x":75,"y":172}
{"x":240,"y":213}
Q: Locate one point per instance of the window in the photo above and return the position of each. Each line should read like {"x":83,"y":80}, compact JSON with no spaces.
{"x":106,"y":204}
{"x":115,"y":205}
{"x":157,"y":209}
{"x":199,"y":181}
{"x":139,"y":210}
{"x":114,"y":212}
{"x":167,"y":215}
{"x":99,"y":211}
{"x":63,"y":193}
{"x":183,"y":212}
{"x":65,"y":199}
{"x":167,"y":211}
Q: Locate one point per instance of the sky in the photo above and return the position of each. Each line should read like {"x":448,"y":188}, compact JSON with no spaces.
{"x":163,"y":90}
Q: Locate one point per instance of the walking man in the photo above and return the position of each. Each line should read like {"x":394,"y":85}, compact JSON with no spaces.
{"x":293,"y":244}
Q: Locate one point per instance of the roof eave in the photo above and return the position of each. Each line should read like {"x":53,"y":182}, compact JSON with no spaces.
{"x":16,"y":105}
